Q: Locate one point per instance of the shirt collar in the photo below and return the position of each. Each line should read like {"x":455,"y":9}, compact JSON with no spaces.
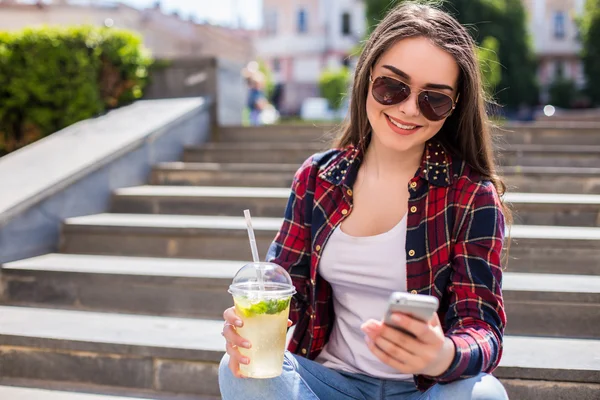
{"x":436,"y":166}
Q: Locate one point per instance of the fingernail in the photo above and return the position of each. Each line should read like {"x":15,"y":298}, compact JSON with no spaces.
{"x":396,"y":318}
{"x":246,"y":345}
{"x":238,"y":322}
{"x":368,"y":340}
{"x":245,"y":360}
{"x":366,"y":328}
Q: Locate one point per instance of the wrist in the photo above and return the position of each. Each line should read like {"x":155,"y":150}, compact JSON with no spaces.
{"x":441,"y":364}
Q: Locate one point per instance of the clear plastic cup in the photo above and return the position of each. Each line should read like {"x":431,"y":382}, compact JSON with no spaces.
{"x":265,"y":314}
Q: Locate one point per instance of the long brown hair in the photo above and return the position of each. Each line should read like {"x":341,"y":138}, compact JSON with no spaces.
{"x":466,"y":133}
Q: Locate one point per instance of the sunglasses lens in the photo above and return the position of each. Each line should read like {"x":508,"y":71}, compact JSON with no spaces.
{"x":388,"y":91}
{"x":435,"y":106}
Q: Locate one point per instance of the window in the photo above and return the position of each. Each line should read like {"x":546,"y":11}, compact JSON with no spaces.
{"x":271,"y":22}
{"x":558,"y":69}
{"x":346,"y":28}
{"x":559,"y":25}
{"x":302,"y":23}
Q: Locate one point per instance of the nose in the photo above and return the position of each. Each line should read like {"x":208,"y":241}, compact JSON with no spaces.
{"x":410,"y":107}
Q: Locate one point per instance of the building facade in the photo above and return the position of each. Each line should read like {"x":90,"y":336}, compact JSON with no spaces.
{"x":552,"y":24}
{"x":168,"y":36}
{"x":300,"y":38}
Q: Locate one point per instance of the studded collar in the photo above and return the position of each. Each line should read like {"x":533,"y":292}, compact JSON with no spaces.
{"x":436,"y":166}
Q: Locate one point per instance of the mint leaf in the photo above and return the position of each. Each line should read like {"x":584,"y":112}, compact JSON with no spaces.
{"x":265,"y":307}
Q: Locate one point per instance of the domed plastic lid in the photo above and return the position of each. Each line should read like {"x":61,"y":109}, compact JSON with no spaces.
{"x":276,"y":281}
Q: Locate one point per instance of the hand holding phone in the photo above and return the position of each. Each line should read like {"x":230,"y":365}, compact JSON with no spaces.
{"x":419,"y":306}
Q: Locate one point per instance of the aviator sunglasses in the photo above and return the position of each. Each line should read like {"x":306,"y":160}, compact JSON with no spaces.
{"x":434,"y":106}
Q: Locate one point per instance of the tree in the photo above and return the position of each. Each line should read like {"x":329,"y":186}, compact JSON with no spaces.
{"x":376,"y":10}
{"x":489,"y":63}
{"x":504,"y":20}
{"x":590,"y":34}
{"x":333,"y":85}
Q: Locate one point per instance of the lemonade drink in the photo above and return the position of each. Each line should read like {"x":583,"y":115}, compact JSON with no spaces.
{"x":265,"y":326}
{"x":262,"y":293}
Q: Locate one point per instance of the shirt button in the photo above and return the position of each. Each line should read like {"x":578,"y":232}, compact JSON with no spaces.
{"x":413,"y":185}
{"x":349,"y":192}
{"x":413,"y":292}
{"x":312,"y":316}
{"x":411,"y":253}
{"x":303,"y":351}
{"x":413,"y":209}
{"x":344,"y":212}
{"x":318,"y":247}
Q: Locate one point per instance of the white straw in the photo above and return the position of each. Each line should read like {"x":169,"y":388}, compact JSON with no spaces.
{"x":251,"y":236}
{"x":254,"y":249}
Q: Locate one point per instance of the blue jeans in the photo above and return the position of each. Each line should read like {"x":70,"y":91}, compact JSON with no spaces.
{"x":303,"y":379}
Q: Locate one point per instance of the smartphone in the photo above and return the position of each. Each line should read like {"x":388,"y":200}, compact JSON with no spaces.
{"x":419,"y":306}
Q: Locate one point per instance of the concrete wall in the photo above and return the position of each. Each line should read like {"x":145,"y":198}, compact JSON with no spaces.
{"x":213,"y":78}
{"x":74,"y":171}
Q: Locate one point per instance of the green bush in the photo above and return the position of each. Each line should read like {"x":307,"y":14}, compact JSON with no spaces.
{"x":333,"y":85}
{"x":563,"y":93}
{"x":52,"y":77}
{"x":590,"y":34}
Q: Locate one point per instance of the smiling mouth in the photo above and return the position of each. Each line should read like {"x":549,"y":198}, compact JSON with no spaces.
{"x":405,"y":127}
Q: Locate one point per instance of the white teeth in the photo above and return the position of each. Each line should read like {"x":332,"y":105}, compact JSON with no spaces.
{"x":407,"y":127}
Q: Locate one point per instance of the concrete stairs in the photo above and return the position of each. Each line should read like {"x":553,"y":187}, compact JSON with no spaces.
{"x":532,"y":179}
{"x":131,"y":305}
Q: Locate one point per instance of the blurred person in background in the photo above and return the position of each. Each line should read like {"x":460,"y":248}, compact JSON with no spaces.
{"x":258,"y":105}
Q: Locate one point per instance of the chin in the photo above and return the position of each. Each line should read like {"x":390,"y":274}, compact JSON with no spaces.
{"x":403,"y":143}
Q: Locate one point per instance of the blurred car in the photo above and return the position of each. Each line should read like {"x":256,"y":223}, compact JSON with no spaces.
{"x":316,"y":109}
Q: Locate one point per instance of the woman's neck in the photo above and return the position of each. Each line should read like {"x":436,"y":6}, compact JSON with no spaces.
{"x":385,"y":163}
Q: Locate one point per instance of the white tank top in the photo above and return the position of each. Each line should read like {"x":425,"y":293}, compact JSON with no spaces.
{"x":363,"y":272}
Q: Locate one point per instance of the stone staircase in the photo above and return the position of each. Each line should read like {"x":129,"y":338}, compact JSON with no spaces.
{"x":131,"y":305}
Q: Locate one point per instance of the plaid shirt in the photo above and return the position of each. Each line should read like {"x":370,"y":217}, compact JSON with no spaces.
{"x":453,"y":249}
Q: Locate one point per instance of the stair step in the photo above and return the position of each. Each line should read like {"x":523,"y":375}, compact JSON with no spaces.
{"x":552,"y":304}
{"x":537,"y":304}
{"x":200,"y":200}
{"x":549,"y":155}
{"x":161,"y":354}
{"x":554,"y":249}
{"x":156,"y":286}
{"x":553,"y":359}
{"x":39,"y":389}
{"x":518,"y":179}
{"x":529,"y":208}
{"x":535,"y":248}
{"x":283,"y":152}
{"x":58,"y":345}
{"x":550,"y":133}
{"x":19,"y":393}
{"x":547,"y":390}
{"x":212,"y":174}
{"x":184,"y":236}
{"x":556,"y":209}
{"x":277,"y":134}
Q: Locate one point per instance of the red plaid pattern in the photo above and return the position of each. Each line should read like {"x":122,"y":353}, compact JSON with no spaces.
{"x":454,"y":243}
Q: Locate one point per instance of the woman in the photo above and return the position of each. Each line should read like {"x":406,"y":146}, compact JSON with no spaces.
{"x":360,"y":224}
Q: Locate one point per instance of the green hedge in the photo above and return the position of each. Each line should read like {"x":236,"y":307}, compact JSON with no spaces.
{"x":52,"y":77}
{"x":333,"y":85}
